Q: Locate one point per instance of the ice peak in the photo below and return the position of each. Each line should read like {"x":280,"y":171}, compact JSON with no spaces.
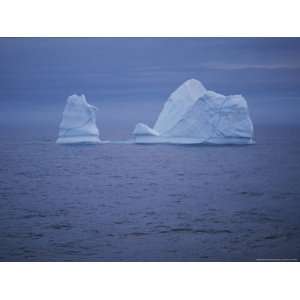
{"x":78,"y":124}
{"x":179,"y":102}
{"x":192,"y":82}
{"x":76,"y":99}
{"x":191,"y":89}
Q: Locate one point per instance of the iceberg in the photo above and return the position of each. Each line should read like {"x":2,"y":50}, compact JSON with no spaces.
{"x":194,"y":115}
{"x":78,"y":124}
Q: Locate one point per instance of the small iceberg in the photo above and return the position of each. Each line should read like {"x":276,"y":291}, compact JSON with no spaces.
{"x":78,"y":124}
{"x":194,"y":115}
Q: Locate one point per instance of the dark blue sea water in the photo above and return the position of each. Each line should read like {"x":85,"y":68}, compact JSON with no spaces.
{"x":117,"y":202}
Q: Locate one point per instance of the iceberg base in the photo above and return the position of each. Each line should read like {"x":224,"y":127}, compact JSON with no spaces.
{"x":188,"y":141}
{"x":78,"y":140}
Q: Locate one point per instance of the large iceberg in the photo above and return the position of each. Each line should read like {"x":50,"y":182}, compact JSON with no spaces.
{"x":78,"y":124}
{"x":195,"y":115}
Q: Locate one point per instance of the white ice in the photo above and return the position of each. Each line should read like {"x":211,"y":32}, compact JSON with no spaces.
{"x":78,"y":124}
{"x":193,"y":115}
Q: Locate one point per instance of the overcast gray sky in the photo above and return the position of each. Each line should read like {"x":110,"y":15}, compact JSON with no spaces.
{"x":42,"y":72}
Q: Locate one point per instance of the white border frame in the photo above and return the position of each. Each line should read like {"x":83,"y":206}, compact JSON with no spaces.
{"x":149,"y":18}
{"x":149,"y":280}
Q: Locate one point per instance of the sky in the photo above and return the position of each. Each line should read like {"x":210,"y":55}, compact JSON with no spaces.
{"x":125,"y":74}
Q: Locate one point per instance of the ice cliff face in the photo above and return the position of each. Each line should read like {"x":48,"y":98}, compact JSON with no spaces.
{"x":178,"y":104}
{"x":193,"y":114}
{"x":78,"y":124}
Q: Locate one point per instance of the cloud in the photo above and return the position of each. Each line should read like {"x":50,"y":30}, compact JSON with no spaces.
{"x":151,"y":70}
{"x":225,"y":66}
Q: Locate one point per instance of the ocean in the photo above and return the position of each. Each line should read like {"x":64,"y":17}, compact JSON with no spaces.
{"x":124,"y":202}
